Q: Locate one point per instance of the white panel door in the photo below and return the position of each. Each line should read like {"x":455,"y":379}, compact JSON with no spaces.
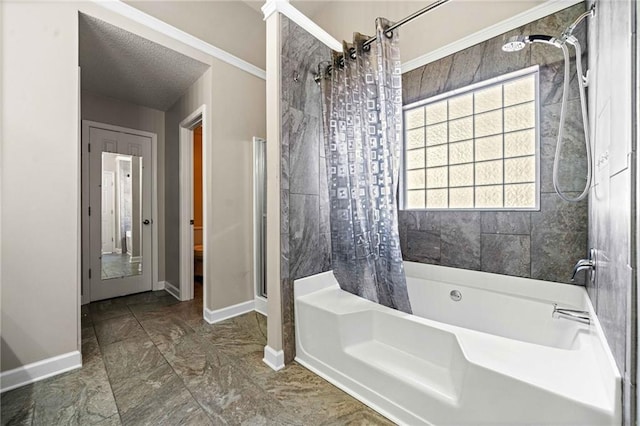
{"x":128,"y":268}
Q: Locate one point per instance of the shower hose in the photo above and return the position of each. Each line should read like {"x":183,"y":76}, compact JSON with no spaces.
{"x":585,"y":120}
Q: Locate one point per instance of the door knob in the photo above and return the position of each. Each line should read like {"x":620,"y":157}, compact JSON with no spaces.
{"x":146,"y":221}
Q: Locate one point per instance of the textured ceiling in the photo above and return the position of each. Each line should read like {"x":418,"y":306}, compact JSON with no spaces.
{"x":125,"y":66}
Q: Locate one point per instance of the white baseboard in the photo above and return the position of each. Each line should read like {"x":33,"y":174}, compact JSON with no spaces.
{"x":40,"y":370}
{"x":273,"y":358}
{"x":218,"y":315}
{"x":160,"y":285}
{"x":172,"y":289}
{"x":261,"y":305}
{"x":133,"y":259}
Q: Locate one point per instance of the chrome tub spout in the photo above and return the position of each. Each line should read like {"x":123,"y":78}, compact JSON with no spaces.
{"x":571,"y":314}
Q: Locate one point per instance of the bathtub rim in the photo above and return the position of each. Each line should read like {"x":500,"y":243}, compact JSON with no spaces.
{"x":517,"y":286}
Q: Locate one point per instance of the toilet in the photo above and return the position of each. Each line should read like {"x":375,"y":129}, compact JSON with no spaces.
{"x":197,"y":251}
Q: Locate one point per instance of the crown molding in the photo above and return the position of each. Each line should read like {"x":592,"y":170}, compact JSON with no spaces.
{"x":270,"y":7}
{"x":288,"y":10}
{"x":533,"y":14}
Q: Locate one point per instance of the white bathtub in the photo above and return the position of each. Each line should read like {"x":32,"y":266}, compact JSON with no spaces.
{"x":494,"y":357}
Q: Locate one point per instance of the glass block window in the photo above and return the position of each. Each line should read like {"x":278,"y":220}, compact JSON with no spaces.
{"x":474,"y":148}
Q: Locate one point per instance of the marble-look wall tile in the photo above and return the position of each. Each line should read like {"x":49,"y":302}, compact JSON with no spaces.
{"x":463,"y":243}
{"x":288,"y":320}
{"x":304,"y":237}
{"x":284,"y":35}
{"x":572,"y":171}
{"x":558,"y":238}
{"x":304,"y":157}
{"x":284,"y":211}
{"x":460,"y":240}
{"x":422,"y":246}
{"x":284,"y":256}
{"x":432,"y":79}
{"x":495,"y":61}
{"x":411,"y":85}
{"x":506,"y":254}
{"x":554,"y":25}
{"x":304,"y":53}
{"x":285,"y":132}
{"x":286,"y":298}
{"x":325,"y":224}
{"x":552,"y":81}
{"x":506,"y":222}
{"x":305,"y":234}
{"x":325,"y":251}
{"x":421,"y":220}
{"x":464,"y":67}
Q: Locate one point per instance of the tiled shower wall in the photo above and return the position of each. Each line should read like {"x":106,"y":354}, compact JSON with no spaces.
{"x":611,"y":199}
{"x":305,"y":235}
{"x":542,"y":244}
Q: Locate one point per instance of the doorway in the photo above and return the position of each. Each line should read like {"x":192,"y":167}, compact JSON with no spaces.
{"x":119,"y":251}
{"x":193,"y":209}
{"x":198,"y":223}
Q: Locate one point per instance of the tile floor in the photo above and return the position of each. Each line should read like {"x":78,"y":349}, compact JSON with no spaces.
{"x":119,"y":265}
{"x":151,"y":360}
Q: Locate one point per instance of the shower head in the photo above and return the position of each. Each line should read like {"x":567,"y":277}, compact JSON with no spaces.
{"x":515,"y":43}
{"x":518,"y":42}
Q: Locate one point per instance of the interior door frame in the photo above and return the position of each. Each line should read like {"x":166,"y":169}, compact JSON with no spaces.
{"x":193,"y":120}
{"x":85,"y":289}
{"x":261,"y":301}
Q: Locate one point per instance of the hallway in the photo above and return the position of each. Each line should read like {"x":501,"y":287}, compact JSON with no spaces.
{"x":149,"y":359}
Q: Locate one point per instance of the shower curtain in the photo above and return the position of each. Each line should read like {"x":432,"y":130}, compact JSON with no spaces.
{"x":362,"y":111}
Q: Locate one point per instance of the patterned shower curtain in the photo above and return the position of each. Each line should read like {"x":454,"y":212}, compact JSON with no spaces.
{"x":362,"y":109}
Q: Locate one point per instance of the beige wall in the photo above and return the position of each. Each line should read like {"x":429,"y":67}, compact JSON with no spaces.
{"x":197,"y":95}
{"x":40,"y":183}
{"x":120,"y":113}
{"x":238,"y":114}
{"x":446,"y":24}
{"x":40,"y":214}
{"x":230,"y":25}
{"x":235,"y":105}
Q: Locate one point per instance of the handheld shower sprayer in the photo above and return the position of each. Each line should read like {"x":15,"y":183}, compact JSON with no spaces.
{"x":517,"y":43}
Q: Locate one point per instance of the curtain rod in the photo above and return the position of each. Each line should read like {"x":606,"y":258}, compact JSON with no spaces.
{"x":409,"y":18}
{"x":390,"y":30}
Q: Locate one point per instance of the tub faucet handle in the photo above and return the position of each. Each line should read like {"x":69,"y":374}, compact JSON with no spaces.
{"x":585,"y":264}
